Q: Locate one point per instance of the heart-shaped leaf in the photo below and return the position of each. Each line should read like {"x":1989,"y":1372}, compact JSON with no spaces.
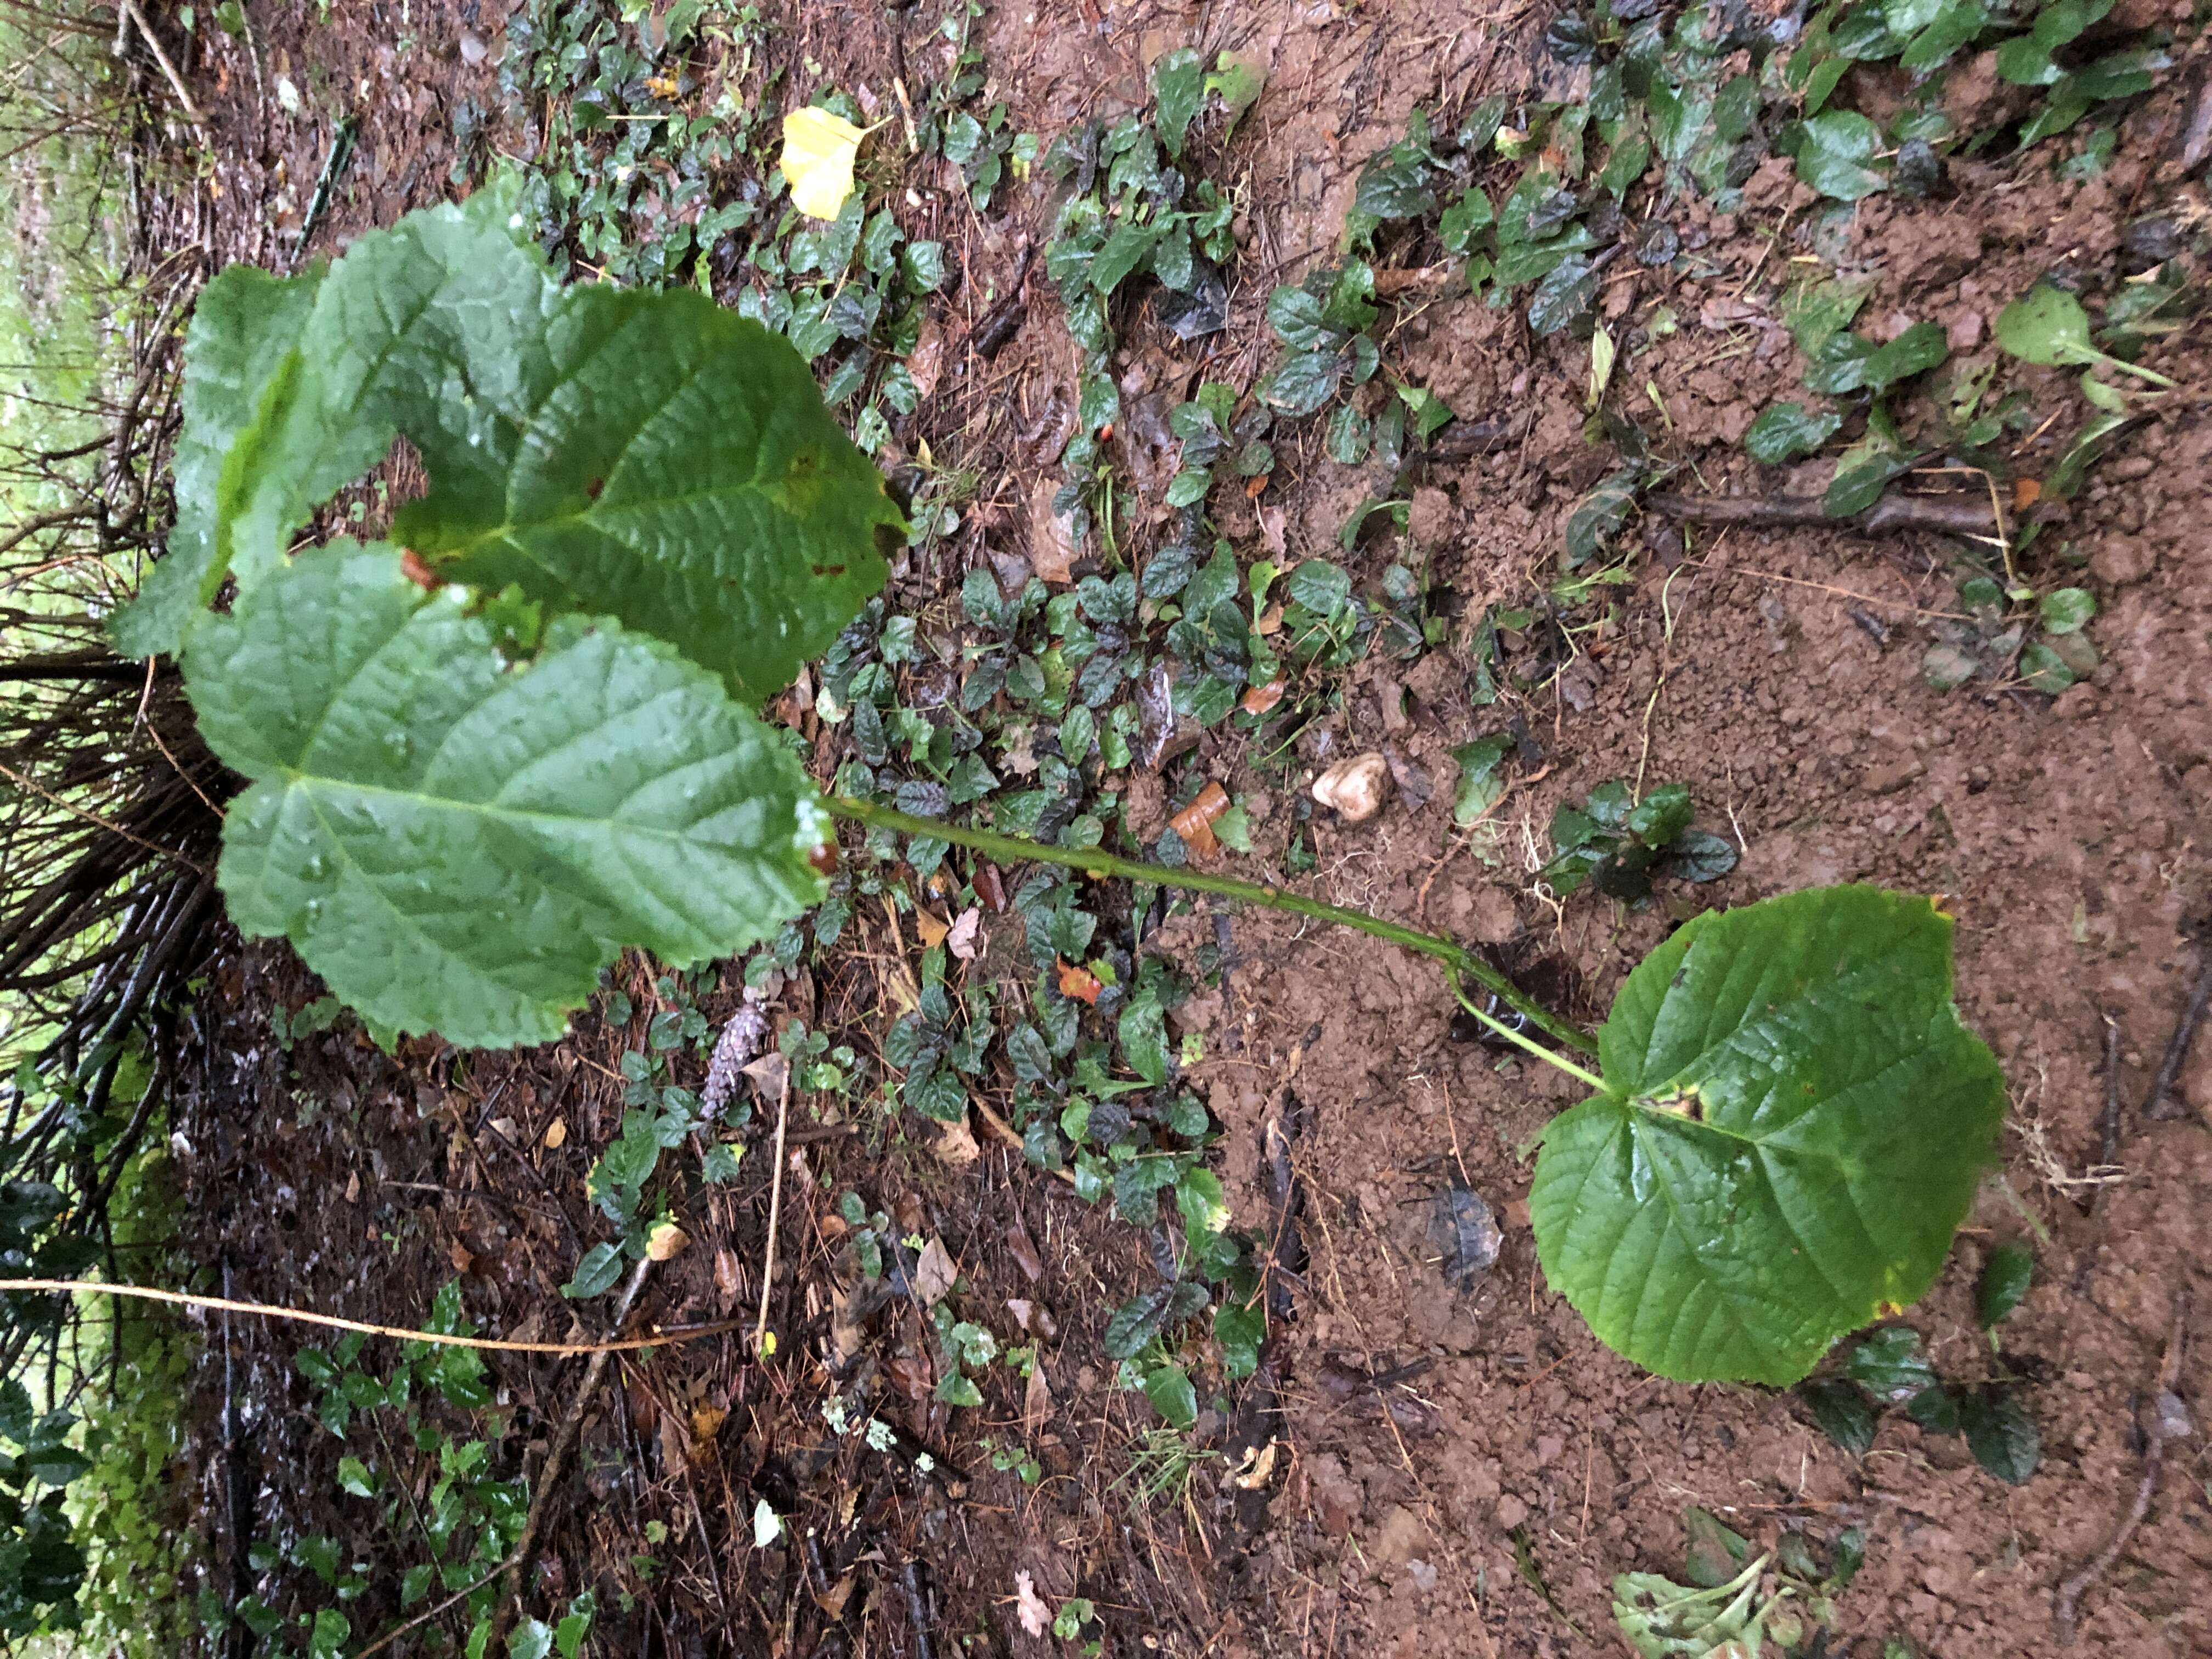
{"x":1792,"y":1126}
{"x":457,"y":845}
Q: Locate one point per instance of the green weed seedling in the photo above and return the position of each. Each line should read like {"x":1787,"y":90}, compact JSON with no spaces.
{"x":478,"y":770}
{"x":1619,"y":844}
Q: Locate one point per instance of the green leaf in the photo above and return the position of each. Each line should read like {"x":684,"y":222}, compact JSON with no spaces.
{"x":1480,"y":784}
{"x":1716,"y":1552}
{"x":2047,"y":325}
{"x":1890,"y":1363}
{"x":596,"y":1272}
{"x":353,"y":1477}
{"x":1841,"y":1409}
{"x":2042,"y":669}
{"x":1598,"y":517}
{"x":644,"y":455}
{"x":457,"y":846}
{"x":1792,"y":1126}
{"x":2001,"y":1436}
{"x":1179,"y":83}
{"x":242,"y":353}
{"x":1169,"y":1389}
{"x":1921,"y":347}
{"x":1138,"y":1321}
{"x":1786,"y":431}
{"x":1240,"y":1328}
{"x":2067,"y":610}
{"x":955,"y":1389}
{"x":531,"y":1639}
{"x":2005,"y":1278}
{"x":1832,"y":148}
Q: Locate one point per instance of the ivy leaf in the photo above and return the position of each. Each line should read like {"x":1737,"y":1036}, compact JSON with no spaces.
{"x":1237,"y":76}
{"x":1786,"y":431}
{"x":644,"y":455}
{"x":1843,"y":1412}
{"x":1598,"y":517}
{"x":1168,"y":1387}
{"x":1832,"y":149}
{"x":1480,"y":784}
{"x":2005,"y":1278}
{"x":1240,"y":1328}
{"x":1179,"y":83}
{"x":1140,"y":1319}
{"x":2001,"y":1436}
{"x":596,"y":1272}
{"x":1792,"y":1126}
{"x":459,"y":846}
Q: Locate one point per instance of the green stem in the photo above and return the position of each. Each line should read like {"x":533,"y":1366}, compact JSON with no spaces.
{"x":1588,"y":1079}
{"x":1098,"y":862}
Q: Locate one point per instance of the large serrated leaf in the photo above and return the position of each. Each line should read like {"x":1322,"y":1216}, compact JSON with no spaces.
{"x":646,"y":456}
{"x":458,"y":845}
{"x":1792,"y":1126}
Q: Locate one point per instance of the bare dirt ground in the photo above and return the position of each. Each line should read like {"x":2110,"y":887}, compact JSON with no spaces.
{"x":1775,"y":671}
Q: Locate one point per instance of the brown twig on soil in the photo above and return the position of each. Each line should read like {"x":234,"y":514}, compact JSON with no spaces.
{"x":2156,"y":1106}
{"x":442,"y":1338}
{"x":130,"y":8}
{"x":2108,"y":1124}
{"x":1953,"y":515}
{"x":775,"y":1210}
{"x":2169,"y":1421}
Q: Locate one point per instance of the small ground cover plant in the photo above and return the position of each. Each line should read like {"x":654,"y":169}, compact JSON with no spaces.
{"x":482,"y":762}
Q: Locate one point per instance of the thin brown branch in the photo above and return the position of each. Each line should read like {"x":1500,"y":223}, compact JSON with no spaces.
{"x":1951,"y":515}
{"x":2156,"y":1105}
{"x":2169,"y":1421}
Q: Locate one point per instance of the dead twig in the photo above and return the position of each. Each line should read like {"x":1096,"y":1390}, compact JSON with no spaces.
{"x":2156,"y":1107}
{"x":1951,"y":515}
{"x":130,"y":9}
{"x":774,"y":1202}
{"x":2169,"y":1420}
{"x":442,"y":1338}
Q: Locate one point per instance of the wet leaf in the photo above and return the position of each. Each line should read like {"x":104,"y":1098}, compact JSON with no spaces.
{"x":2002,"y":1436}
{"x":1565,"y":294}
{"x":1179,"y":84}
{"x":1890,"y":1363}
{"x":1715,"y":1553}
{"x":1832,"y":149}
{"x":1741,"y":1155}
{"x":2005,"y":1278}
{"x":1786,"y":431}
{"x":1138,"y":1321}
{"x":1843,"y":1412}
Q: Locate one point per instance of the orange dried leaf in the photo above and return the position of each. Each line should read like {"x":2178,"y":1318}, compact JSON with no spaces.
{"x":1261,"y":699}
{"x":416,"y":570}
{"x":1253,"y":487}
{"x":2026,"y":493}
{"x":1195,"y":824}
{"x":931,"y":930}
{"x":1078,"y":982}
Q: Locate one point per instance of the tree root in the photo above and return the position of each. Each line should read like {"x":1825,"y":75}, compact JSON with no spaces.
{"x":1951,"y":515}
{"x":2169,"y":1421}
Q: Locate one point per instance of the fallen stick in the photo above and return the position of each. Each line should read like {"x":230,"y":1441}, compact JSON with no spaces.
{"x":2169,"y":1420}
{"x":2156,"y":1105}
{"x":442,"y":1338}
{"x":130,"y":9}
{"x":1951,"y":515}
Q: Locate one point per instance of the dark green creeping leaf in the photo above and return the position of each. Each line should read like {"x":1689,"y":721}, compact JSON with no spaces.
{"x":2001,"y":1436}
{"x":459,"y":846}
{"x":1832,"y":149}
{"x":1935,"y":1409}
{"x":1716,"y":1552}
{"x":1841,"y":1410}
{"x":1890,"y":1363}
{"x":2005,"y":1278}
{"x":1786,"y":431}
{"x":647,"y":456}
{"x":1179,"y":83}
{"x":1792,"y":1126}
{"x":1138,"y":1321}
{"x":1598,"y":517}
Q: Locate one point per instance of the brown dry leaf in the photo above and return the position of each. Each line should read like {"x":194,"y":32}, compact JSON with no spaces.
{"x":353,"y":1188}
{"x":832,"y":1602}
{"x":1272,"y":533}
{"x":666,"y":1242}
{"x":1262,"y":698}
{"x":1037,"y":1400}
{"x":1078,"y":982}
{"x":557,"y":1134}
{"x":1035,"y":1614}
{"x":1053,"y":551}
{"x":961,"y":938}
{"x":769,"y":1073}
{"x":956,"y":1145}
{"x":925,"y":362}
{"x":457,"y":1253}
{"x":1024,"y":1249}
{"x":674,"y":1447}
{"x":2026,"y":493}
{"x":706,"y":1423}
{"x":910,"y":1374}
{"x":1269,"y":622}
{"x":931,"y":929}
{"x":933,"y":1274}
{"x":1195,"y":824}
{"x":729,"y":1277}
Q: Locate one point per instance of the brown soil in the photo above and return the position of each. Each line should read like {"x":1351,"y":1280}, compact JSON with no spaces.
{"x":1776,"y":673}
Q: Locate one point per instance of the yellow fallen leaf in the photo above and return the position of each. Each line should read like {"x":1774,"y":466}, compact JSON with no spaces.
{"x":819,"y":149}
{"x":665,"y":1241}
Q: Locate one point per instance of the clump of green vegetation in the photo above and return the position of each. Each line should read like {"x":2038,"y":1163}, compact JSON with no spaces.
{"x":1619,"y":844}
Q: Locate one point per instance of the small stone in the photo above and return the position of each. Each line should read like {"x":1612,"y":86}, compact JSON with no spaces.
{"x":1889,"y":777}
{"x":473,"y":51}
